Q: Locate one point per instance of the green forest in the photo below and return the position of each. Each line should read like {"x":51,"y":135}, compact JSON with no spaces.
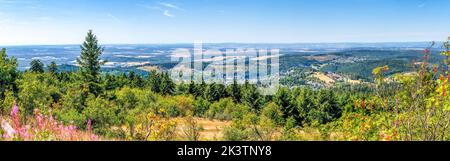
{"x":44,"y":103}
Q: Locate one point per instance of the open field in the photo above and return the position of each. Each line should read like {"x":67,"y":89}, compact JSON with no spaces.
{"x":324,"y":78}
{"x":210,"y":129}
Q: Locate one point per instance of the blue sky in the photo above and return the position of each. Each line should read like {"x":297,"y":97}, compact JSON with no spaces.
{"x":249,"y":21}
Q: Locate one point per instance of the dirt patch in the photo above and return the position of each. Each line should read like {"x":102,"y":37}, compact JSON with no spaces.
{"x":324,"y":78}
{"x":212,"y":129}
{"x":353,"y":81}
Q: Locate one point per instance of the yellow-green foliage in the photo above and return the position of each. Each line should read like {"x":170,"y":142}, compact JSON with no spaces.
{"x":222,"y":109}
{"x":37,"y":91}
{"x":7,"y":102}
{"x":151,"y":127}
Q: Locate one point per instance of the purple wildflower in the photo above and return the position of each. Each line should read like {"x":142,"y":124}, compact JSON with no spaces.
{"x":89,"y":125}
{"x":15,"y":110}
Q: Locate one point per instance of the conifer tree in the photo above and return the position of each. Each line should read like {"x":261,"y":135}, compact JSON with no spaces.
{"x":135,"y":80}
{"x":200,"y":90}
{"x":235,"y":91}
{"x":327,"y":104}
{"x":167,"y":84}
{"x":37,"y":66}
{"x":52,"y":68}
{"x":212,"y":92}
{"x":304,"y":104}
{"x":90,"y":63}
{"x":192,"y":89}
{"x":251,"y":97}
{"x":155,"y":81}
{"x":283,"y":99}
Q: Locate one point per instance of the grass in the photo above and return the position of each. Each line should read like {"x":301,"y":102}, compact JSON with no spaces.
{"x":210,"y":130}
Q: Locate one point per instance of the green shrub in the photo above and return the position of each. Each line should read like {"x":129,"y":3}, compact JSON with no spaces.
{"x":222,"y":110}
{"x":289,"y":132}
{"x":6,"y":103}
{"x":71,"y":116}
{"x":127,"y":98}
{"x":102,"y":113}
{"x":236,"y":132}
{"x":73,"y":98}
{"x":36,"y":92}
{"x":169,"y":107}
{"x":273,"y":112}
{"x":201,"y":106}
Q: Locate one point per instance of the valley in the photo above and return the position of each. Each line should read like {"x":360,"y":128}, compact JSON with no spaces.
{"x":317,"y":65}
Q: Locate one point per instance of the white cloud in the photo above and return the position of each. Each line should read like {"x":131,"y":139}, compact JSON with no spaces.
{"x":168,"y":5}
{"x":165,"y":8}
{"x":168,"y":14}
{"x":149,"y":7}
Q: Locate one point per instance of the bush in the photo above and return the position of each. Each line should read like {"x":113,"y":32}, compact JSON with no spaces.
{"x":151,"y":127}
{"x":102,"y":114}
{"x":6,"y":103}
{"x":236,"y":132}
{"x":240,"y":110}
{"x":169,"y":107}
{"x":222,"y":110}
{"x":191,"y":130}
{"x":185,"y":104}
{"x":73,"y":98}
{"x":201,"y":106}
{"x":274,"y":113}
{"x":289,"y":130}
{"x":71,"y":116}
{"x":36,"y":91}
{"x":127,"y":98}
{"x":147,"y":100}
{"x":251,"y":127}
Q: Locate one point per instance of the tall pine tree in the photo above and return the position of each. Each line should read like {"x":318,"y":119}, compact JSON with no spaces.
{"x":90,"y":63}
{"x":305,"y":103}
{"x":234,"y":90}
{"x":167,"y":84}
{"x":283,"y":99}
{"x":155,"y":81}
{"x":251,"y":96}
{"x":192,"y":89}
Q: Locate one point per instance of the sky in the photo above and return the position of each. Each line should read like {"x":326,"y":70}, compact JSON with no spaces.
{"x":36,"y":22}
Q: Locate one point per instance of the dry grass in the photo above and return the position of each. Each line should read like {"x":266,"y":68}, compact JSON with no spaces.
{"x":353,"y":81}
{"x":211,"y":130}
{"x":324,"y":78}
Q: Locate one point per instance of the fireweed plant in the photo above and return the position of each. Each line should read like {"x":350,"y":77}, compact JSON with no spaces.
{"x":41,"y":128}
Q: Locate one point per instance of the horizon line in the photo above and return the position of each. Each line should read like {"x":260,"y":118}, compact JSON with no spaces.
{"x":254,"y":43}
